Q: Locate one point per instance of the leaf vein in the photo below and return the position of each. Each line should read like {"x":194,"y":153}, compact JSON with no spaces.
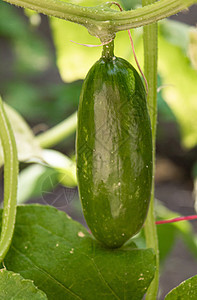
{"x":47,"y":274}
{"x":104,"y":280}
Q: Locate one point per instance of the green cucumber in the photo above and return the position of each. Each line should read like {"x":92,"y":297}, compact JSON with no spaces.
{"x":114,"y":151}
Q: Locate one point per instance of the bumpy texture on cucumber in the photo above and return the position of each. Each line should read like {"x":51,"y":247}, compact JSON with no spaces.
{"x":114,"y":151}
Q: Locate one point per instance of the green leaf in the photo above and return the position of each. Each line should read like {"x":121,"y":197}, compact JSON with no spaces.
{"x":187,"y":290}
{"x":27,"y":146}
{"x":165,"y":244}
{"x":14,"y":286}
{"x":188,"y":236}
{"x":179,"y":79}
{"x":163,"y":230}
{"x":66,"y":262}
{"x":173,"y":30}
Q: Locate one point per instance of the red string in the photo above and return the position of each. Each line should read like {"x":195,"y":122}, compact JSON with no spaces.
{"x":178,"y":219}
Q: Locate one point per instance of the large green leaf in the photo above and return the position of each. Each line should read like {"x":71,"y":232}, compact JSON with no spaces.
{"x":66,"y":262}
{"x":180,"y":80}
{"x":187,"y":290}
{"x":27,"y":146}
{"x":14,"y":286}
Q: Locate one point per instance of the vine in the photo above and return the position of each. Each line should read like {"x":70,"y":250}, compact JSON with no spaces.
{"x":10,"y":182}
{"x":150,"y":37}
{"x":102,"y":21}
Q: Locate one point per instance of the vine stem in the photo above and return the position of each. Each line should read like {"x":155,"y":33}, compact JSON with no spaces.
{"x":102,"y":21}
{"x":59,"y":132}
{"x":10,"y":182}
{"x":150,"y":69}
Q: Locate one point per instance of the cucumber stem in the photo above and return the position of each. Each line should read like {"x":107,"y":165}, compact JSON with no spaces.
{"x":108,"y":50}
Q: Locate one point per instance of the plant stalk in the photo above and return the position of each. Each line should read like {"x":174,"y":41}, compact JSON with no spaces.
{"x":59,"y":132}
{"x":10,"y":182}
{"x":150,"y":36}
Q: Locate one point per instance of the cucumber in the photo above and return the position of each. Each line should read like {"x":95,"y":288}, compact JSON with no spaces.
{"x":114,"y":151}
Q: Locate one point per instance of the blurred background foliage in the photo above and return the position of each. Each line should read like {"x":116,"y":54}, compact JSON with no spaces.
{"x":41,"y":75}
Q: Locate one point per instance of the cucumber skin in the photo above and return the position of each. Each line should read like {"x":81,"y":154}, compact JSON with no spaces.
{"x":114,"y":151}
